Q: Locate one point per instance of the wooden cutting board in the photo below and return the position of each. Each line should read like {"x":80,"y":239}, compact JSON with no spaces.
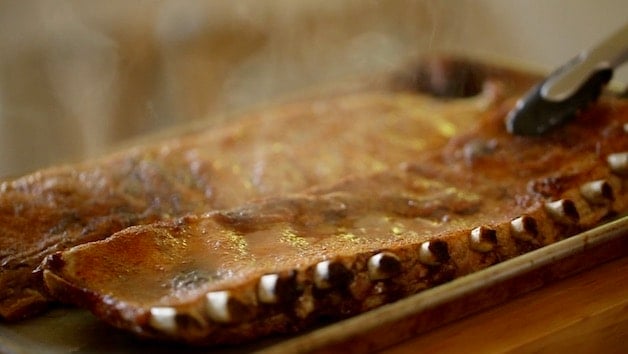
{"x":585,"y":313}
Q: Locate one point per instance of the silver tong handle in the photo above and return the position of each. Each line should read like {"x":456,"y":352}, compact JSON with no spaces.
{"x":607,"y":55}
{"x":570,"y":88}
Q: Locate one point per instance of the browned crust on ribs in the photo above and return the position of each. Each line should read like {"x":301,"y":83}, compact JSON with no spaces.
{"x":269,"y":152}
{"x":282,"y":263}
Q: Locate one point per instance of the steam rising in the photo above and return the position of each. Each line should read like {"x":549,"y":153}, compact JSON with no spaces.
{"x":77,"y":76}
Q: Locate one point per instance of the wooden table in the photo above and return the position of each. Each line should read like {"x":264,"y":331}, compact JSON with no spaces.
{"x":585,"y":313}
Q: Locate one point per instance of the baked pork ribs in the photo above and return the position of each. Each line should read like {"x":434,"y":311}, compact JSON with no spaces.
{"x":269,"y":152}
{"x":282,"y":263}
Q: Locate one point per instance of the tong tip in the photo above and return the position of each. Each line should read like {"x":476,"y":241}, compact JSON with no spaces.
{"x":535,"y":115}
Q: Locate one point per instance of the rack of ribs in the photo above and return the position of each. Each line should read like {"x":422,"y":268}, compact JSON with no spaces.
{"x":281,"y":263}
{"x":273,"y":151}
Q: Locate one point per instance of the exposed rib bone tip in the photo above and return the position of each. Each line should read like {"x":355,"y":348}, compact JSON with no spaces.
{"x":618,"y":162}
{"x":524,"y":228}
{"x":163,"y":319}
{"x":331,"y":274}
{"x":383,"y":265}
{"x":321,"y":275}
{"x":277,"y":288}
{"x":433,"y":253}
{"x":563,"y":211}
{"x":218,"y":306}
{"x":483,"y":239}
{"x":267,"y":289}
{"x":597,"y":192}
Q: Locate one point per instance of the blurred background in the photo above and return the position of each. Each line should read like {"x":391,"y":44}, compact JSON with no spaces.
{"x":78,"y":76}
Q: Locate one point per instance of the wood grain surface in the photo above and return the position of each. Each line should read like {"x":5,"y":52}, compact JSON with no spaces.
{"x":585,"y":313}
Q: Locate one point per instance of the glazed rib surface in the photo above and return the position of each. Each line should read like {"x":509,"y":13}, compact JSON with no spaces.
{"x":269,"y":152}
{"x":282,"y":263}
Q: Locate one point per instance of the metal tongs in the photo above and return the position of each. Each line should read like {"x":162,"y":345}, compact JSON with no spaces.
{"x":570,"y":88}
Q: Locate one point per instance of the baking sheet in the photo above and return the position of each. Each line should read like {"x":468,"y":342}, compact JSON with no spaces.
{"x":68,"y":330}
